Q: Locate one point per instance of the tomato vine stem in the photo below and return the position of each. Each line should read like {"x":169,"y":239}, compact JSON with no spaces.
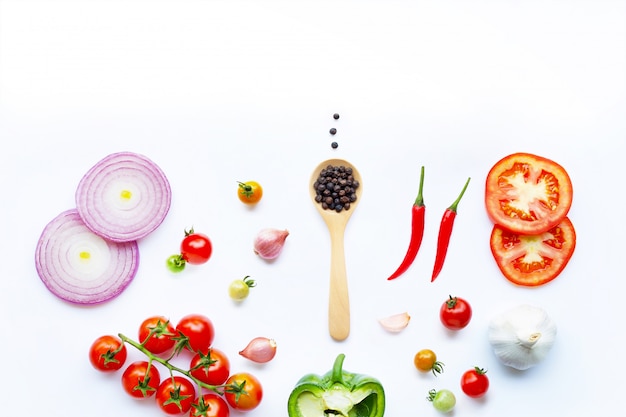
{"x":218,"y":389}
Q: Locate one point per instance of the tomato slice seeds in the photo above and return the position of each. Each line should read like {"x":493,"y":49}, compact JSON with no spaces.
{"x":532,"y":260}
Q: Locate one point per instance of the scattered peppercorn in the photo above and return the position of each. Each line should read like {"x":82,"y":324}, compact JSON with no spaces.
{"x":333,"y":131}
{"x":336,"y":116}
{"x":334,"y":145}
{"x":335,"y":188}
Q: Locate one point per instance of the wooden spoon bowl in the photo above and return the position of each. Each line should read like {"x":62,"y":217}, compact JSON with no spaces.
{"x":339,"y":301}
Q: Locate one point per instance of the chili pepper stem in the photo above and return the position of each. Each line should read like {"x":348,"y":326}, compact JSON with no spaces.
{"x":455,"y":205}
{"x":419,"y":200}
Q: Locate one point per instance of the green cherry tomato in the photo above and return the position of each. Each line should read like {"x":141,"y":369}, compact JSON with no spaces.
{"x":240,"y":288}
{"x":443,"y":400}
{"x":175,"y":263}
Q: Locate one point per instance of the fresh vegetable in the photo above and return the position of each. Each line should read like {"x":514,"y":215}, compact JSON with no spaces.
{"x":208,"y":373}
{"x":532,"y":260}
{"x":425,"y":360}
{"x":196,"y":332}
{"x":527,"y":194}
{"x":522,"y":336}
{"x":212,"y":368}
{"x":123,"y":197}
{"x":474,"y":382}
{"x":239,"y":289}
{"x":443,"y":400}
{"x":156,"y":334}
{"x":195,"y":248}
{"x":455,"y":313}
{"x":175,"y":395}
{"x":418,"y":213}
{"x":269,"y":243}
{"x":141,"y":379}
{"x":445,"y":232}
{"x":247,"y":393}
{"x":337,"y":392}
{"x":81,"y":267}
{"x":108,"y":353}
{"x":209,"y":405}
{"x":249,"y":192}
{"x":396,"y":322}
{"x":260,"y":350}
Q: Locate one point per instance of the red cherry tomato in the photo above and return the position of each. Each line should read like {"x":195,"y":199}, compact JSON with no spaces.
{"x":455,"y":313}
{"x":175,"y":395}
{"x":245,"y":393}
{"x":199,"y":331}
{"x":209,"y":405}
{"x":474,"y":382}
{"x":533,"y":260}
{"x":212,"y":368}
{"x":527,"y":194}
{"x":108,"y":353}
{"x":140,"y":380}
{"x":196,"y":248}
{"x":156,"y":333}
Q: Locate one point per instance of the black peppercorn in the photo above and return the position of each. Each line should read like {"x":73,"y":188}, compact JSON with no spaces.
{"x":333,"y":131}
{"x":336,"y":116}
{"x":334,"y":145}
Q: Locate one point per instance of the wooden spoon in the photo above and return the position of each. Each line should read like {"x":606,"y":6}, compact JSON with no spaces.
{"x":339,"y":302}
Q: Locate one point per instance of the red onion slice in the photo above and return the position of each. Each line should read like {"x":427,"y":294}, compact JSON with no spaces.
{"x":81,"y":267}
{"x":123,"y":197}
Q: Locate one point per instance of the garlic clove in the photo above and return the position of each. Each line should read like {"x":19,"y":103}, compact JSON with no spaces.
{"x":522,"y":336}
{"x":269,"y":242}
{"x":260,"y":350}
{"x":396,"y":322}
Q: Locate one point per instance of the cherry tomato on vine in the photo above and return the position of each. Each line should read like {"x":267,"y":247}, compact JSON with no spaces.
{"x":209,"y":405}
{"x":533,"y":260}
{"x":249,"y":192}
{"x":245,"y":392}
{"x":455,"y":313}
{"x":474,"y":382}
{"x":212,"y":368}
{"x":107,"y":353}
{"x":156,"y":333}
{"x":426,"y":361}
{"x":175,"y":395}
{"x":199,"y":331}
{"x":527,"y":194}
{"x":141,"y":380}
{"x":443,"y":400}
{"x":195,"y":248}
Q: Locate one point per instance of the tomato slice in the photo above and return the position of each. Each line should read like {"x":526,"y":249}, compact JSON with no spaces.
{"x":527,"y":194}
{"x":533,"y":260}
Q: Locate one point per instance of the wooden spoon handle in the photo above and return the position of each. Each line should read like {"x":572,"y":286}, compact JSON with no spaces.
{"x":339,"y":302}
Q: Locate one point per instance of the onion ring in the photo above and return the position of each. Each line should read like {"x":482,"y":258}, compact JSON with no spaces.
{"x":81,"y":267}
{"x":124,"y":197}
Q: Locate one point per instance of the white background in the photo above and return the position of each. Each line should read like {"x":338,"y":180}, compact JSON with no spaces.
{"x":222,"y":91}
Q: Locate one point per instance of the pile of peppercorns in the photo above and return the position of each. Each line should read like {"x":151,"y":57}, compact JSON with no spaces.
{"x":335,"y":188}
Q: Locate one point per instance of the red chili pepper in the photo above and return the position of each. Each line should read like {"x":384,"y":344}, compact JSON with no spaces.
{"x":445,"y":231}
{"x":418,"y":212}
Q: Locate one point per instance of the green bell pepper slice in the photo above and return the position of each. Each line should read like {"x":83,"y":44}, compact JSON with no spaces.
{"x":337,"y":393}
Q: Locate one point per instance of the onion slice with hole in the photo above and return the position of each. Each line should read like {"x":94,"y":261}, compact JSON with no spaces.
{"x":124,"y":197}
{"x":81,"y":267}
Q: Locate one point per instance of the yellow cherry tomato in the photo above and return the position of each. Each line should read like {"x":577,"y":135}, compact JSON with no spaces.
{"x":249,"y":192}
{"x":426,"y":361}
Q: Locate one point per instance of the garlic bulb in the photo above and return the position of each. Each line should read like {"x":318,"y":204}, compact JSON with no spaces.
{"x":522,"y":336}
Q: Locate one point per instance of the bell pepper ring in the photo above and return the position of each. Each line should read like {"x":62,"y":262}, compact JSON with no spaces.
{"x":337,"y":393}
